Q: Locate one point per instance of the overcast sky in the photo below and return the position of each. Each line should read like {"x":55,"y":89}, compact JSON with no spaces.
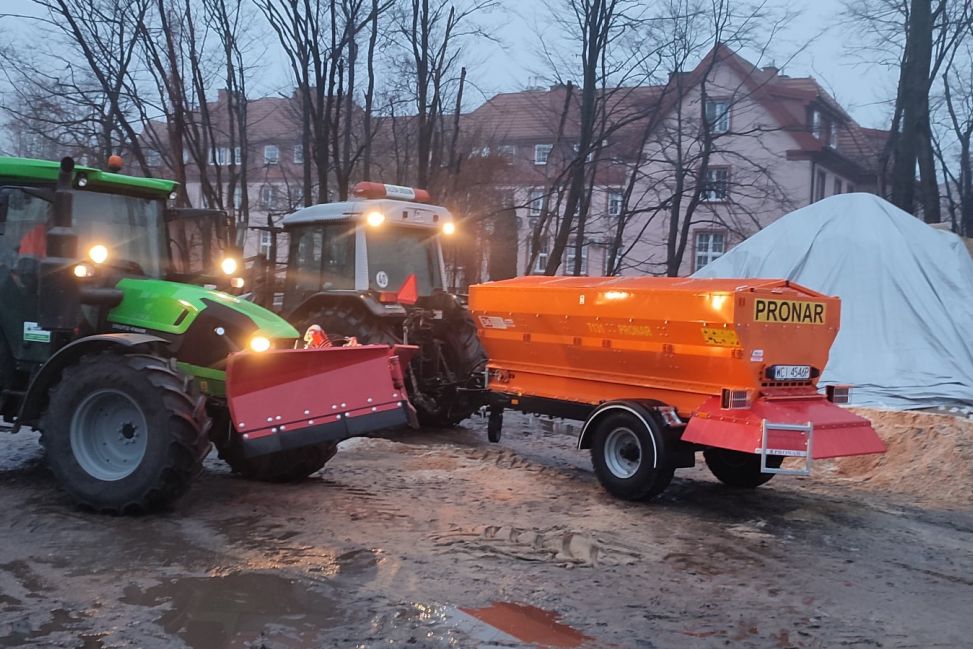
{"x":513,"y":63}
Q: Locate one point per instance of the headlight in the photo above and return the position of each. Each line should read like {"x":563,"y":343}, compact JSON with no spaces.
{"x":449,"y":228}
{"x":375,"y":219}
{"x":237,"y":282}
{"x":98,"y":253}
{"x":259,"y":344}
{"x":83,"y":270}
{"x":229,"y":265}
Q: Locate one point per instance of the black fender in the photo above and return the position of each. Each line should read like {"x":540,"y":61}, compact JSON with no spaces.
{"x":360,"y":299}
{"x":36,"y":399}
{"x":648,"y":410}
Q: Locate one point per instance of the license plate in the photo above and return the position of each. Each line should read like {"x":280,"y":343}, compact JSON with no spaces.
{"x":792,"y":372}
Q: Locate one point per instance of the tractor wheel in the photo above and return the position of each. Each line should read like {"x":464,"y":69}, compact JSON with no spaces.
{"x":629,"y":457}
{"x":343,"y":321}
{"x":467,"y":360}
{"x":738,"y":469}
{"x":125,"y":434}
{"x":291,"y":465}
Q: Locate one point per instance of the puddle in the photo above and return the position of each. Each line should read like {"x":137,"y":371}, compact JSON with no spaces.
{"x":529,"y":624}
{"x":232,"y":610}
{"x":23,"y":632}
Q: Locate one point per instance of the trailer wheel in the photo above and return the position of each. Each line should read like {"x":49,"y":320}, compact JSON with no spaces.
{"x":629,"y":457}
{"x":124,"y":434}
{"x":737,"y":469}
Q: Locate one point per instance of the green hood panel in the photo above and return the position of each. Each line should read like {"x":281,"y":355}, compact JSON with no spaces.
{"x":171,"y":307}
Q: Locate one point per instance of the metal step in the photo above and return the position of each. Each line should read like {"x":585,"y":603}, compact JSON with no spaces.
{"x":808,"y":432}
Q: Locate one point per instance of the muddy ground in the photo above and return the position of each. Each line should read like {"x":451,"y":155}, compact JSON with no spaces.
{"x":436,"y":539}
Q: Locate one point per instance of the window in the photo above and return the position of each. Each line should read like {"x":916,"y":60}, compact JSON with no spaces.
{"x":506,"y":151}
{"x":541,"y":262}
{"x":237,"y":156}
{"x":271,"y":154}
{"x":218,"y":156}
{"x":238,"y":197}
{"x":268,"y":196}
{"x":535,"y":202}
{"x":541,"y":153}
{"x":822,"y":178}
{"x":295,"y":195}
{"x":298,"y":154}
{"x":816,"y":124}
{"x":709,"y":246}
{"x":718,"y":115}
{"x":717,"y":185}
{"x":153,"y":158}
{"x":833,"y":136}
{"x":614,"y":202}
{"x":837,"y":186}
{"x":263,"y":246}
{"x":568,"y":268}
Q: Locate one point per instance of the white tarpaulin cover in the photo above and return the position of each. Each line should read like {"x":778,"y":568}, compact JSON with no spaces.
{"x":906,"y":294}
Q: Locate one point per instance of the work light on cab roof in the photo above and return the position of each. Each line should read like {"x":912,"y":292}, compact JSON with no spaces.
{"x":376,"y":217}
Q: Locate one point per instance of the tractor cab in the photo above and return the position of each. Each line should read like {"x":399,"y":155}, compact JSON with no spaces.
{"x":385,"y":241}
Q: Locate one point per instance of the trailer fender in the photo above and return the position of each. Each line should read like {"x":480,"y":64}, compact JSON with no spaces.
{"x":645,"y":410}
{"x":36,"y":399}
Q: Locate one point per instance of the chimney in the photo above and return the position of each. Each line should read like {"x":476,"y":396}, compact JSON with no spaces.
{"x":771,"y":69}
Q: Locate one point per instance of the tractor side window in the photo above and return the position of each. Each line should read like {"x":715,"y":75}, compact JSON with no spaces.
{"x":322,"y":258}
{"x":24,"y":239}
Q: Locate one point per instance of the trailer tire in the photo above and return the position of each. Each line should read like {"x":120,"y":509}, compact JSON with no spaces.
{"x":124,"y":434}
{"x":738,"y":469}
{"x":629,"y":457}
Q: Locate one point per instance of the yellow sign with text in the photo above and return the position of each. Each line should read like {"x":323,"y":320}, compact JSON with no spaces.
{"x":789,"y":311}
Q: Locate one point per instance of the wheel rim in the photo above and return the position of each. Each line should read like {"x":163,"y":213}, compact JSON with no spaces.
{"x":623,"y":452}
{"x":109,"y":435}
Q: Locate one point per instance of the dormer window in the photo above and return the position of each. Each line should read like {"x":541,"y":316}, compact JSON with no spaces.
{"x":833,"y":136}
{"x":816,"y":124}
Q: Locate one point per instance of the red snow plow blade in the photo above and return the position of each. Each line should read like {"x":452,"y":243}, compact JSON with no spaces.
{"x":302,"y":397}
{"x":831,"y":431}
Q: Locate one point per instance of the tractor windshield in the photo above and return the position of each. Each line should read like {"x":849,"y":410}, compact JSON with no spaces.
{"x":132,"y":229}
{"x":322,"y":257}
{"x":394,"y":253}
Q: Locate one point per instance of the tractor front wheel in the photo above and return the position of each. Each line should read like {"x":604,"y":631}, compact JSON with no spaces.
{"x":291,"y":465}
{"x":124,"y":434}
{"x":737,"y":469}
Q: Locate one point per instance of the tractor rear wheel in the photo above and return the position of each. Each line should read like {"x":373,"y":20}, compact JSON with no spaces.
{"x":437,"y":400}
{"x":738,"y":469}
{"x":629,"y":457}
{"x":125,"y":434}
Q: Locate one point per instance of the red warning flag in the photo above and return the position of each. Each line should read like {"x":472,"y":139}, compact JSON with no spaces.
{"x":409,"y":293}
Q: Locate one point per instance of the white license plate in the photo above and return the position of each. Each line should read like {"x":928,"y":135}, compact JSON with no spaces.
{"x":792,"y":372}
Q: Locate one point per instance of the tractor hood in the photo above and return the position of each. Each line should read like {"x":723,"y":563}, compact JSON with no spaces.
{"x":173,"y":308}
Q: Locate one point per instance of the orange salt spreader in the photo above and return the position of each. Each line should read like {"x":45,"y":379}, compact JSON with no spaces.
{"x":661,"y":368}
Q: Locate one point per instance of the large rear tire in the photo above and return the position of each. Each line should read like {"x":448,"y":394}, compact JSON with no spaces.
{"x":437,"y":401}
{"x":629,"y":457}
{"x":737,"y":469}
{"x":125,"y":434}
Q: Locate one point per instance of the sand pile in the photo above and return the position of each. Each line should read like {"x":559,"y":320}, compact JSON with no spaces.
{"x":929,"y":458}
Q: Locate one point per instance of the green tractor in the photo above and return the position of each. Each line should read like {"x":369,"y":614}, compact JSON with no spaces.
{"x":371,"y":269}
{"x":117,"y":347}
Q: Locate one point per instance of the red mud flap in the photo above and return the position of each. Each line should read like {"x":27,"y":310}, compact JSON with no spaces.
{"x":301,"y":397}
{"x":836,"y":432}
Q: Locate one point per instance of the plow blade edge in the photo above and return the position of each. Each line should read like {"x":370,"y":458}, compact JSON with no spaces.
{"x":301,"y":397}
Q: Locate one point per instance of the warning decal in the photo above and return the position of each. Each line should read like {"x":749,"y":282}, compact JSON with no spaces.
{"x":789,"y":311}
